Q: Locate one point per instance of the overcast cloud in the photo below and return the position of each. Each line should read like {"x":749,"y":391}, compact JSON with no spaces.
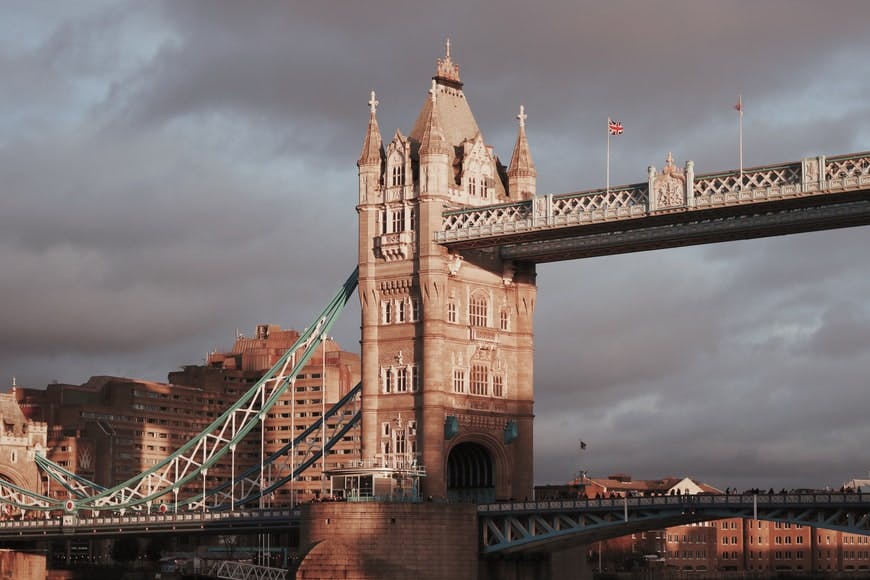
{"x":174,"y":171}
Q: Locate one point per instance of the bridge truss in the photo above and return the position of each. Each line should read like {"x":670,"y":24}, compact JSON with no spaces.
{"x":162,"y":484}
{"x":552,"y":525}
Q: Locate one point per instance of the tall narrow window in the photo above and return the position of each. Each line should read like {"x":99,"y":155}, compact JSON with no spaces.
{"x":398,"y":175}
{"x":399,"y":220}
{"x":477,"y":310}
{"x":451,"y":311}
{"x":388,"y":381}
{"x":497,"y":386}
{"x":400,"y":311}
{"x":388,"y":313}
{"x":479,"y":380}
{"x":505,"y":320}
{"x":458,"y":380}
{"x":402,"y":380}
{"x":415,"y":309}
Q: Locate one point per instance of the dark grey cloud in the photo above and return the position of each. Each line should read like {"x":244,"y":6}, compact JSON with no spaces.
{"x":174,"y":171}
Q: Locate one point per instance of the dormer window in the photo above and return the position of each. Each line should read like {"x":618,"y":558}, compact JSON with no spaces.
{"x":397,"y":175}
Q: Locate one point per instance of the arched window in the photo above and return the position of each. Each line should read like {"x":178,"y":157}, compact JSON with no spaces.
{"x":478,"y":310}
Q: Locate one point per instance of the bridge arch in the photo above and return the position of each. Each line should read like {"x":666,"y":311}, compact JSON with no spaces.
{"x":477,"y":469}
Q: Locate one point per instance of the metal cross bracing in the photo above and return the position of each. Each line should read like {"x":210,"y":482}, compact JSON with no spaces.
{"x":191,"y":462}
{"x":245,"y":488}
{"x":553,"y":525}
{"x":232,"y":570}
{"x":811,"y":194}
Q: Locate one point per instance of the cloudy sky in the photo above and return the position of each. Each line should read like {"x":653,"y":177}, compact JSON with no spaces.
{"x":174,"y":171}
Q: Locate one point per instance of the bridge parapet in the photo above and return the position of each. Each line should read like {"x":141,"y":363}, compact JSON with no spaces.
{"x":674,"y":190}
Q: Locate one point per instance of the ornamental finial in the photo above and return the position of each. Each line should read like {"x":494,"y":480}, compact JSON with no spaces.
{"x":447,"y":48}
{"x":373,"y":103}
{"x":522,"y":116}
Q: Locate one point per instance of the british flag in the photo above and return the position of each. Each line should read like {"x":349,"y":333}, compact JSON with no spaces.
{"x":615,"y":127}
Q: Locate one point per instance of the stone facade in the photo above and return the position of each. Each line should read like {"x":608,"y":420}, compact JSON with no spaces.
{"x":447,"y":340}
{"x":20,"y":439}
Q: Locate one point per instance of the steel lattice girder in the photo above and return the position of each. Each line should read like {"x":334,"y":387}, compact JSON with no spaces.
{"x":196,"y":456}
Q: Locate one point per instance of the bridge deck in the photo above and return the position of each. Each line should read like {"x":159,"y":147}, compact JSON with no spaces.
{"x":812,"y":194}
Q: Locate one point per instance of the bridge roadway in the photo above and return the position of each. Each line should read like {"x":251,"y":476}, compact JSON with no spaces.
{"x":547,"y":526}
{"x":503,"y":528}
{"x":224,"y":522}
{"x":815,"y":193}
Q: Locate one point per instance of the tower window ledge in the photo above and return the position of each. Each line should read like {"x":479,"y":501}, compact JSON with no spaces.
{"x":395,"y":246}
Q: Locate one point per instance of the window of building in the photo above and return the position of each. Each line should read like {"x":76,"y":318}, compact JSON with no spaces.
{"x":477,"y":310}
{"x":497,"y":386}
{"x":458,"y":380}
{"x":398,"y":175}
{"x":479,"y":380}
{"x":385,"y":429}
{"x":415,"y":309}
{"x":400,"y":311}
{"x":402,"y":380}
{"x":398,"y":220}
{"x":504,"y":320}
{"x":388,"y":312}
{"x":451,"y":311}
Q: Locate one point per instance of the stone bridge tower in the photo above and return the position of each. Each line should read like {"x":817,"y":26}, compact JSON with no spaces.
{"x":20,"y":440}
{"x":447,"y":339}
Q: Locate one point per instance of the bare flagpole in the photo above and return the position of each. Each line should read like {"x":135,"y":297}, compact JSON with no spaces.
{"x":607,"y":181}
{"x":739,"y":107}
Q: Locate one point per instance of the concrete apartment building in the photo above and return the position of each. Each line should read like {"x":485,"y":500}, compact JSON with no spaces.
{"x":110,"y":429}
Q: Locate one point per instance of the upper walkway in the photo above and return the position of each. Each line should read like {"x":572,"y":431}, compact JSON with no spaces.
{"x":812,"y":194}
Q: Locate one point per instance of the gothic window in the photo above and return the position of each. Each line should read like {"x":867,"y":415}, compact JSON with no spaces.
{"x":451,"y":311}
{"x":400,"y":311}
{"x":413,"y":214}
{"x":402,"y":380}
{"x":385,"y":428}
{"x":479,"y":380}
{"x":388,"y":380}
{"x":400,"y":441}
{"x":505,"y":320}
{"x":415,"y":379}
{"x":398,"y":175}
{"x":497,"y":386}
{"x":388,"y":312}
{"x":399,"y":220}
{"x":458,"y":381}
{"x":384,"y":222}
{"x":477,"y":310}
{"x":415,"y":309}
{"x":472,"y":186}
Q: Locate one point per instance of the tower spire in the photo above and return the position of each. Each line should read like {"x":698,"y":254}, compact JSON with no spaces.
{"x":373,"y":147}
{"x":522,"y":175}
{"x":432,"y":140}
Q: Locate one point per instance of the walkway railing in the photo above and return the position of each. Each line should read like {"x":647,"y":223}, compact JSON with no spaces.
{"x":812,"y":175}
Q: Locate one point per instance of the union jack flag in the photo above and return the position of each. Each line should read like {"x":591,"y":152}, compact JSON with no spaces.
{"x":614,"y":127}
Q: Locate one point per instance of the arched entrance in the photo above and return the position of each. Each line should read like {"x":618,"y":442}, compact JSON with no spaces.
{"x":470,"y":474}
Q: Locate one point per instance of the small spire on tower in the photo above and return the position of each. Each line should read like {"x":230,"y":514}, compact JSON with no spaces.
{"x":433,"y":92}
{"x":446,"y":72}
{"x":522,"y":172}
{"x":373,"y":147}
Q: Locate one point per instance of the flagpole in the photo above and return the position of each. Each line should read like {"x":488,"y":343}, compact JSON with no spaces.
{"x":607,"y":189}
{"x":740,"y":133}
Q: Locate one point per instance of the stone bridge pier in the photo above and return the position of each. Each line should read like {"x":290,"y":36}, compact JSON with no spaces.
{"x":421,"y":541}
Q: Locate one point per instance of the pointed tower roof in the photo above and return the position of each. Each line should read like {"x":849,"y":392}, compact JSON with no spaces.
{"x":373,"y":147}
{"x":432,"y":139}
{"x":521,"y":160}
{"x":454,"y":114}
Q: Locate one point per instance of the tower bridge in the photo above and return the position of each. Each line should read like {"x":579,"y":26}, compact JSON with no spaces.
{"x":449,"y":239}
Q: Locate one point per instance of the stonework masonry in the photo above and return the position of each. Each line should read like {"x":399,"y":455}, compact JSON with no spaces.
{"x":373,"y":541}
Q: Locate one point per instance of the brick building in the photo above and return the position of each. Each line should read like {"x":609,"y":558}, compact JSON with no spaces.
{"x":110,"y":429}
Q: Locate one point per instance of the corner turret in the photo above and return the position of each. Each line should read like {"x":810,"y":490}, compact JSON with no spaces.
{"x":371,"y":158}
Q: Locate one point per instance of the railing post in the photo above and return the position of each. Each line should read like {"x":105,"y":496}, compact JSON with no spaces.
{"x":690,"y":184}
{"x":812,"y":173}
{"x":650,"y":197}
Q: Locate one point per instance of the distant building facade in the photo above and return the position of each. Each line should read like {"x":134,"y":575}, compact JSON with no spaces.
{"x":728,"y":545}
{"x":110,"y":429}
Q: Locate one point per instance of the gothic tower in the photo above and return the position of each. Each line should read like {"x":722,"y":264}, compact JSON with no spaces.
{"x":447,"y":340}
